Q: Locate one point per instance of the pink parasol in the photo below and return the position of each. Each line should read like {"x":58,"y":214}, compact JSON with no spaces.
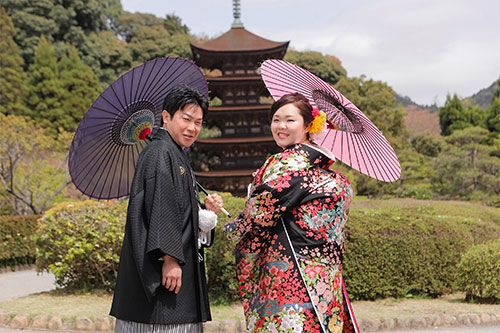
{"x":349,"y":134}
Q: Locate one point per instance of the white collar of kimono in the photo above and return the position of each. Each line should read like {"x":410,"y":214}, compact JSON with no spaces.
{"x":322,"y":150}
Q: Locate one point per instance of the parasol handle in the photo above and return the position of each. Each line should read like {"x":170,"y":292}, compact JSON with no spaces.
{"x":205,"y":191}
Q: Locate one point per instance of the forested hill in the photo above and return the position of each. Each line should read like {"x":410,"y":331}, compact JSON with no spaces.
{"x":484,"y":97}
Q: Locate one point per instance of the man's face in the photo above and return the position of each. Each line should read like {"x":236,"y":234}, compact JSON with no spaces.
{"x":185,"y":125}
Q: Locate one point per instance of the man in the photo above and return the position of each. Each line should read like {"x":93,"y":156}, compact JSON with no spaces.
{"x":161,"y":283}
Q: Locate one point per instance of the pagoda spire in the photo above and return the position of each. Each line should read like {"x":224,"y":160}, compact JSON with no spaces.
{"x":236,"y":14}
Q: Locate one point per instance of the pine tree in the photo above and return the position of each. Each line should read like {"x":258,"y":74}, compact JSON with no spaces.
{"x":81,"y":87}
{"x":493,"y":117}
{"x":453,"y":115}
{"x":46,"y":91}
{"x":13,"y":89}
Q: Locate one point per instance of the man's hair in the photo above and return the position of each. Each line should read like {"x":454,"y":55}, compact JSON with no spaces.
{"x":180,"y":97}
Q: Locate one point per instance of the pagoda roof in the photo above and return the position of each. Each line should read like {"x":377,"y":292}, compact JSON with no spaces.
{"x":238,"y":39}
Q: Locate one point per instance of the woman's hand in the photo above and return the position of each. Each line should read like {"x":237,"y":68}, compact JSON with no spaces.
{"x":214,"y":203}
{"x":171,"y":274}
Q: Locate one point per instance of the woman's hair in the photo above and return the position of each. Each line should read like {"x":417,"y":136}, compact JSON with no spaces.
{"x":297,"y":99}
{"x":180,"y":97}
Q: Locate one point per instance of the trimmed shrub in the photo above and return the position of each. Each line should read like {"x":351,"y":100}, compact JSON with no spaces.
{"x":393,"y":248}
{"x":221,"y":271}
{"x":16,"y":244}
{"x":479,"y":272}
{"x":80,"y":243}
{"x":397,"y":248}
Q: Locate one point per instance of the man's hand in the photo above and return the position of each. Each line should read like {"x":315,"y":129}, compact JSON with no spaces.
{"x":214,"y":203}
{"x":171,"y":274}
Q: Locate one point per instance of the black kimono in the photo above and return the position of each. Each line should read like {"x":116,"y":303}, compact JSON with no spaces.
{"x":162,"y":218}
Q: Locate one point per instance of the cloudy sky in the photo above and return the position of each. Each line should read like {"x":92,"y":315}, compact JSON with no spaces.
{"x":424,"y":49}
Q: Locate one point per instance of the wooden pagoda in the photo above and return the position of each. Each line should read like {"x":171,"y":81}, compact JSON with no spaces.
{"x":242,"y":116}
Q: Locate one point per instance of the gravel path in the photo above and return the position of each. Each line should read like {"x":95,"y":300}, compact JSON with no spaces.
{"x":23,"y":283}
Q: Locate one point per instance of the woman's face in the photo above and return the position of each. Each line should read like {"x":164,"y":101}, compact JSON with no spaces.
{"x":287,"y":126}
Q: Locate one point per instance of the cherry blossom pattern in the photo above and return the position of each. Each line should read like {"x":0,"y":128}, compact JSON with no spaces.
{"x":291,"y":245}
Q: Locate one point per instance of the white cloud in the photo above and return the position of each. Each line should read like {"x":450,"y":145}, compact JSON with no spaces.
{"x":422,"y":48}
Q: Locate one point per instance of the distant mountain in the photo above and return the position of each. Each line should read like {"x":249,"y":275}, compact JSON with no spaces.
{"x":407,"y":101}
{"x":484,"y":96}
{"x":423,"y":119}
{"x":420,"y":119}
{"x":404,"y":100}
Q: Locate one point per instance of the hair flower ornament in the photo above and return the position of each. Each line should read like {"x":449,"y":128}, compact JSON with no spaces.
{"x":318,"y":121}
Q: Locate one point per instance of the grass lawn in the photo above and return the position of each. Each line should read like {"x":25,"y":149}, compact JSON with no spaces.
{"x":68,"y":307}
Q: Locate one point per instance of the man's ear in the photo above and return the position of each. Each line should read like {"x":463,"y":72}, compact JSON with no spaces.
{"x":165,"y":116}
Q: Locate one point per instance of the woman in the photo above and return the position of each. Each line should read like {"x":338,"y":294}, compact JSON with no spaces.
{"x":291,"y":241}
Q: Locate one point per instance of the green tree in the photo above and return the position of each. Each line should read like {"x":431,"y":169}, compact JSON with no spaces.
{"x":33,"y":170}
{"x":63,"y":23}
{"x":151,"y":37}
{"x":128,"y":24}
{"x":148,"y":43}
{"x":326,"y":67}
{"x":81,"y":88}
{"x":32,"y":19}
{"x":178,"y":45}
{"x":46,"y":89}
{"x":13,"y":89}
{"x":61,"y":91}
{"x":469,"y":139}
{"x":107,"y":55}
{"x":415,"y":175}
{"x":453,"y":115}
{"x":477,"y":115}
{"x":467,"y":168}
{"x":493,"y":117}
{"x":173,"y":24}
{"x":427,"y":145}
{"x":451,"y":174}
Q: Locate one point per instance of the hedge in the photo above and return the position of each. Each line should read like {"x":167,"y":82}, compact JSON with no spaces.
{"x":393,"y":248}
{"x":221,"y":271}
{"x":16,"y":244}
{"x":479,"y":272}
{"x":398,"y":248}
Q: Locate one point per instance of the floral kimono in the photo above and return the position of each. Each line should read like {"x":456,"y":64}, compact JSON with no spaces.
{"x":291,"y":244}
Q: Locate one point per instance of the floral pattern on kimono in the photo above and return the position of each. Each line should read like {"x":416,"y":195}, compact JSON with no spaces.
{"x":291,"y":244}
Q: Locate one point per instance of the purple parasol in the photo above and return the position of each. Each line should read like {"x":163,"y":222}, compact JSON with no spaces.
{"x":112,"y":133}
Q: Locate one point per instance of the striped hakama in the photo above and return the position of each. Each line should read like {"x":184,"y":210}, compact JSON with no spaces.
{"x":123,"y":326}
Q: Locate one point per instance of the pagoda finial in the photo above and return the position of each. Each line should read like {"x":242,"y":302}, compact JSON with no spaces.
{"x":236,"y":14}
